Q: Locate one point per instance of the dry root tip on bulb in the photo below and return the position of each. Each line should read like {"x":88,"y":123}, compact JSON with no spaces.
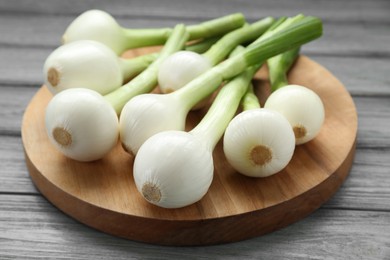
{"x":299,"y":131}
{"x":53,"y":76}
{"x":151,"y":192}
{"x":260,"y":155}
{"x":62,"y":136}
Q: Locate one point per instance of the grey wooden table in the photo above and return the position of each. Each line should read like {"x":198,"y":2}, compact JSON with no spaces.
{"x":354,"y":224}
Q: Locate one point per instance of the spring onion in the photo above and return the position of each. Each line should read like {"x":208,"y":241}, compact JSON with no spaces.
{"x":83,"y":125}
{"x":90,"y":64}
{"x":301,"y":106}
{"x":182,"y":67}
{"x":168,"y":112}
{"x":258,"y":142}
{"x":174,"y":169}
{"x":100,"y":26}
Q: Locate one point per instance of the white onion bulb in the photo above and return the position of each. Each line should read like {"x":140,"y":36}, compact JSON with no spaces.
{"x":259,"y":142}
{"x":180,"y":68}
{"x":81,"y":124}
{"x":98,"y":26}
{"x":302,"y":107}
{"x":148,"y":114}
{"x":173,"y":169}
{"x":86,"y":64}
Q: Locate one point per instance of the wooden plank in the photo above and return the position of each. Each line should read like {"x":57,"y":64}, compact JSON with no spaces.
{"x":360,"y":39}
{"x":374,"y":123}
{"x":14,"y":177}
{"x":350,"y":11}
{"x":361,"y":76}
{"x":22,"y":66}
{"x":30,"y":227}
{"x":13,"y":102}
{"x":366,"y":186}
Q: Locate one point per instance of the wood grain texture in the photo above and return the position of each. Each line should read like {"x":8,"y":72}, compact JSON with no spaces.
{"x":32,"y":228}
{"x":356,"y":11}
{"x":366,"y":188}
{"x":37,"y":31}
{"x":252,"y":206}
{"x":13,"y":172}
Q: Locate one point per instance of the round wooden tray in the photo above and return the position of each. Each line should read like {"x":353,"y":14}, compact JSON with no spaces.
{"x":102,"y":194}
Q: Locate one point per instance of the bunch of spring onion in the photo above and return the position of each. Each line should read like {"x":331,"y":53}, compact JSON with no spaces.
{"x":185,"y":175}
{"x":100,"y":26}
{"x":148,"y":114}
{"x":89,"y":61}
{"x":260,"y":142}
{"x":83,"y":124}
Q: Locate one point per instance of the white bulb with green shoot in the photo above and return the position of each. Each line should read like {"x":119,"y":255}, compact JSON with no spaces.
{"x":83,"y":125}
{"x":258,"y":142}
{"x":182,"y":67}
{"x":302,"y":107}
{"x":90,"y":64}
{"x":100,"y":26}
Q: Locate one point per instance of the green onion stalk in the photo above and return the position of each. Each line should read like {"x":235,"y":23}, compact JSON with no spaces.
{"x":100,"y":26}
{"x":279,"y":67}
{"x":301,"y":106}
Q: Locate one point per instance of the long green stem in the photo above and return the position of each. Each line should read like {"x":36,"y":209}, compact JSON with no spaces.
{"x":292,"y":36}
{"x":149,"y":37}
{"x":212,"y":126}
{"x":250,"y":100}
{"x":279,"y":66}
{"x":202,"y":45}
{"x":147,"y":80}
{"x":134,"y":66}
{"x":227,"y":43}
{"x":298,"y":29}
{"x":218,"y":26}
